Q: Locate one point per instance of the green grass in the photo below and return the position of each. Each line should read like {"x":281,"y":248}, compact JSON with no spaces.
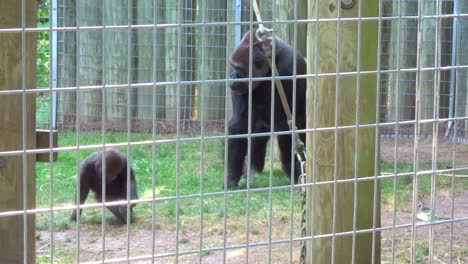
{"x":194,"y":176}
{"x":197,"y":174}
{"x":404,"y":184}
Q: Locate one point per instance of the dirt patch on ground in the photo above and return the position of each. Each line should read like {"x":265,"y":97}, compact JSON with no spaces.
{"x":447,"y":240}
{"x":165,"y":247}
{"x":403,"y":150}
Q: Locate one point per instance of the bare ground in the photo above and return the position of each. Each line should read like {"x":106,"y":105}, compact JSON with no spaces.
{"x":450,"y":239}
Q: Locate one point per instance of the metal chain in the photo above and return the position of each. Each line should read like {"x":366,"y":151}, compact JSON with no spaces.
{"x":301,"y":156}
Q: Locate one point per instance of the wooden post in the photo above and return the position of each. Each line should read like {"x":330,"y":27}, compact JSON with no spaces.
{"x":12,"y":242}
{"x":461,"y":94}
{"x":284,"y":10}
{"x":428,"y":55}
{"x":188,"y":61}
{"x":214,"y":67}
{"x":66,"y":65}
{"x":404,"y":39}
{"x":321,"y":156}
{"x":116,"y":53}
{"x":146,"y":43}
{"x":171,"y":48}
{"x":90,"y":62}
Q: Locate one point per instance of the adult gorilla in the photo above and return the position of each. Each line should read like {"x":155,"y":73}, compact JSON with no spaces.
{"x":261,"y":105}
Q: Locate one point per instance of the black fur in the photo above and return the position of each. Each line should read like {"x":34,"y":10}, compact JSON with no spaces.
{"x":261,"y":106}
{"x":116,"y":182}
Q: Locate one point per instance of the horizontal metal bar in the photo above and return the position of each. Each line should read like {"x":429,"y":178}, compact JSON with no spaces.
{"x":216,"y":137}
{"x":230,"y":23}
{"x":229,"y":192}
{"x":277,"y":241}
{"x":85,"y":88}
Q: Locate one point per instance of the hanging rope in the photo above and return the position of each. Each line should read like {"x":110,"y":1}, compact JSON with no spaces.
{"x":263,"y":35}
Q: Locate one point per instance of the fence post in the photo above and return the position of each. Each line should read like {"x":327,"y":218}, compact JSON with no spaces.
{"x":150,"y":62}
{"x":66,"y":64}
{"x":15,"y":247}
{"x":214,"y":66}
{"x":89,"y":62}
{"x":339,"y":154}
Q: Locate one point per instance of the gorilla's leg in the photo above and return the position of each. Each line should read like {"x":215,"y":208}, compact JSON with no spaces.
{"x":284,"y":143}
{"x":84,"y":191}
{"x":237,"y":149}
{"x":258,"y":151}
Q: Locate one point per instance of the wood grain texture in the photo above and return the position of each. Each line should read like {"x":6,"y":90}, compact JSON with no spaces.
{"x":323,"y":164}
{"x":11,"y":127}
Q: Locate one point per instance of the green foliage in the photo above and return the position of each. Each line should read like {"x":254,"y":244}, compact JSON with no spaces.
{"x":43,"y":65}
{"x":42,"y":110}
{"x":43,"y":10}
{"x":43,"y":47}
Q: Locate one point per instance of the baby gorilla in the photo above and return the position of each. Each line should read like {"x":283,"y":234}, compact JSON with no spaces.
{"x":91,"y":177}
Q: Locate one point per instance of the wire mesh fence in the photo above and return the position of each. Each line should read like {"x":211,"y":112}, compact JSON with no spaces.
{"x":152,"y":79}
{"x":399,"y":39}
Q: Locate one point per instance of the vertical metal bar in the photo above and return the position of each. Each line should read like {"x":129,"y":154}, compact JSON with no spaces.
{"x":53,"y":62}
{"x":356,"y":131}
{"x":272,"y":159}
{"x":23,"y":132}
{"x":52,"y":112}
{"x":179,"y":58}
{"x":249,"y":138}
{"x":103,"y":125}
{"x":376,"y":195}
{"x":417,"y":132}
{"x":458,"y":48}
{"x":435,"y":128}
{"x":153,"y":145}
{"x":336,"y":124}
{"x":397,"y":120}
{"x":311,"y":173}
{"x":129,"y":119}
{"x":203,"y":85}
{"x":237,"y":18}
{"x":453,"y":71}
{"x":272,"y":130}
{"x":237,"y":11}
{"x":226,"y":124}
{"x":78,"y":120}
{"x":292,"y":133}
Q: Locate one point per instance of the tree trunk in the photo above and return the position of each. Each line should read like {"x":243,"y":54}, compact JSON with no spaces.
{"x":323,"y":163}
{"x":12,"y":114}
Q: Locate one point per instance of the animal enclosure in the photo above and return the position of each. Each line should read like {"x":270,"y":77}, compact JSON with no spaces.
{"x":384,"y":96}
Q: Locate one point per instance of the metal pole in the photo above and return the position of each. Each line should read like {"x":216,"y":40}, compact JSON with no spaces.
{"x":453,"y":72}
{"x":53,"y":49}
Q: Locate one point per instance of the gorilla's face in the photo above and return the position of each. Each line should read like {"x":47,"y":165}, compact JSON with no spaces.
{"x":240,"y":65}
